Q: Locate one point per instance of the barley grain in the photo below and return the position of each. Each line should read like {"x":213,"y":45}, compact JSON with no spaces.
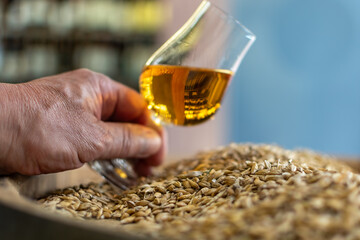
{"x":235,"y":192}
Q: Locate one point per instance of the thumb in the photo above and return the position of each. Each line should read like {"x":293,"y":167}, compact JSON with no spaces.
{"x":130,"y":141}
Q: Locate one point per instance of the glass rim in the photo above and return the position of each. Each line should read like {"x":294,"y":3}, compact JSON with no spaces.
{"x":236,"y":22}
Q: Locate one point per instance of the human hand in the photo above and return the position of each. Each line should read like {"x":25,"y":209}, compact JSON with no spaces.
{"x":60,"y":122}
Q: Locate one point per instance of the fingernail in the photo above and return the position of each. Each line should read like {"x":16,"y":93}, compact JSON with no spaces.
{"x":150,"y":143}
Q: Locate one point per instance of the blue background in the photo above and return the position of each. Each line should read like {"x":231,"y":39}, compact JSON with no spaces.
{"x":299,"y":85}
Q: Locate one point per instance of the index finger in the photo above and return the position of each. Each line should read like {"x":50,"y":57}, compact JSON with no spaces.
{"x":122,"y":104}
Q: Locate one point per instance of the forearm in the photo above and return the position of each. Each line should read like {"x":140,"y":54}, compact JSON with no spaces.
{"x":4,"y":96}
{"x":9,"y":95}
{"x":5,"y":112}
{"x":8,"y":122}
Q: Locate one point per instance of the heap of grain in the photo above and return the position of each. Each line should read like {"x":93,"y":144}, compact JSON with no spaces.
{"x":239,"y":191}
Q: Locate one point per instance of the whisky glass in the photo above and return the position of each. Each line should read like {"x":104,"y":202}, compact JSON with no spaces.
{"x":184,"y":81}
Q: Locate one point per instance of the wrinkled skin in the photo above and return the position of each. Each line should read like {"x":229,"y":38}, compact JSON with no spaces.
{"x":60,"y":122}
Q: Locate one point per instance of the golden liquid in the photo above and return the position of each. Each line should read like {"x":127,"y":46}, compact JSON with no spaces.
{"x":183,"y":95}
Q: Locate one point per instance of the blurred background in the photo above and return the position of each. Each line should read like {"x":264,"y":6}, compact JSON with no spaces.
{"x":43,"y":37}
{"x":298,"y":86}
